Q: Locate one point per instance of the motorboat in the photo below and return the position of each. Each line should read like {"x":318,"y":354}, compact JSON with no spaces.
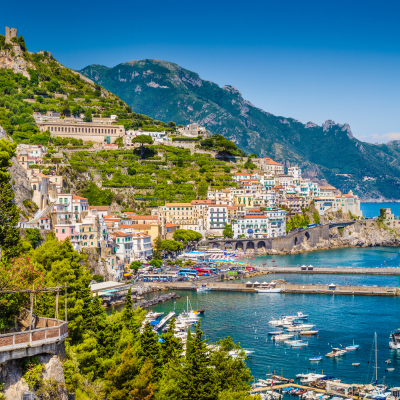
{"x":395,"y":340}
{"x":300,"y":327}
{"x":203,"y":288}
{"x":299,"y":344}
{"x":298,"y":315}
{"x":292,"y":341}
{"x":152,"y":316}
{"x":308,"y":333}
{"x":275,"y":333}
{"x":308,"y":378}
{"x":336,"y":352}
{"x":282,"y":337}
{"x":238,"y":353}
{"x":269,"y":290}
{"x":315,"y":358}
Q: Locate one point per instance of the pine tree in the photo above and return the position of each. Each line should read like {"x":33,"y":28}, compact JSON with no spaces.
{"x":99,"y":320}
{"x":199,"y":382}
{"x":127,"y":313}
{"x":172,"y":346}
{"x":151,"y":349}
{"x":10,"y":239}
{"x":129,"y":379}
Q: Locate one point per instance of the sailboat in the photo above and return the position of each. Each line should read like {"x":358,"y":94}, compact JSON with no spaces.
{"x":353,"y":347}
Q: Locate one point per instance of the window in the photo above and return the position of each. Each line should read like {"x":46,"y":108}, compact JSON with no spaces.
{"x":63,"y":231}
{"x":56,"y":230}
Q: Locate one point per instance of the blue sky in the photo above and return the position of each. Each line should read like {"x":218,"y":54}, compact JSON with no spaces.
{"x":309,"y":60}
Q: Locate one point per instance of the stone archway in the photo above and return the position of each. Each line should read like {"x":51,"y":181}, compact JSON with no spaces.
{"x":215,"y":245}
{"x":261,"y":244}
{"x":239,"y":246}
{"x":307,"y":236}
{"x":249,"y":246}
{"x":228,"y":246}
{"x":296,"y":241}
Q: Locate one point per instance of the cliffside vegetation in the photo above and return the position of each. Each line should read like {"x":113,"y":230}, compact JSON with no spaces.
{"x":167,"y":91}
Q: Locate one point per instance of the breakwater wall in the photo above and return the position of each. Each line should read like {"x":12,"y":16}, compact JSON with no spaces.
{"x":287,"y":288}
{"x":337,"y":270}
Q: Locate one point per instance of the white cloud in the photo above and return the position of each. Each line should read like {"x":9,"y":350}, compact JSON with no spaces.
{"x":387,"y":137}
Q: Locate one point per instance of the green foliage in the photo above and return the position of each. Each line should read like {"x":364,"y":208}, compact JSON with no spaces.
{"x":119,"y":142}
{"x":34,"y":237}
{"x":135,"y":265}
{"x":10,"y":239}
{"x":97,"y":196}
{"x":228,"y":231}
{"x":170,"y":246}
{"x":156,"y":263}
{"x":186,"y":235}
{"x":316,"y":217}
{"x":297,"y":221}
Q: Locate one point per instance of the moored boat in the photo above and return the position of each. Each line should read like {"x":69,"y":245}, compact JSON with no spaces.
{"x":308,"y":333}
{"x":315,"y":358}
{"x":269,"y":290}
{"x":336,"y":353}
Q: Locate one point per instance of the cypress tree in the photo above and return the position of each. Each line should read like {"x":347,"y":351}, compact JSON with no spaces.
{"x":10,"y":239}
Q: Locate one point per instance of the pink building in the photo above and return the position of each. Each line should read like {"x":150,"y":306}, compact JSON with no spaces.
{"x":63,"y":231}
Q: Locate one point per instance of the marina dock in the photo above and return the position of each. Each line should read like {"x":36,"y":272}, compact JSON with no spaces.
{"x":330,"y":270}
{"x":286,"y":288}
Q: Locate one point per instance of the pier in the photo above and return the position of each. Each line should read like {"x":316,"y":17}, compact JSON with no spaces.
{"x":286,"y":288}
{"x":330,"y":270}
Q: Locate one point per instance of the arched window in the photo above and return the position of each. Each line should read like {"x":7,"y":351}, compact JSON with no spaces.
{"x":34,"y":187}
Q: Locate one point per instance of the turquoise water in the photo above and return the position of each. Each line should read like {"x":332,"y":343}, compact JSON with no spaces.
{"x":373,"y":209}
{"x":370,"y":257}
{"x":339,"y":319}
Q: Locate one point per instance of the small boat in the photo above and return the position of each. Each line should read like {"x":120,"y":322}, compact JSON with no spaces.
{"x":201,"y":311}
{"x":388,"y":361}
{"x":353,"y":347}
{"x":203,"y":288}
{"x":282,"y":337}
{"x":390,"y":369}
{"x":336,"y":352}
{"x":273,"y":261}
{"x":299,"y":315}
{"x":355,"y":364}
{"x":269,"y":290}
{"x":299,"y":344}
{"x":315,"y":358}
{"x":308,"y":333}
{"x":275,"y":333}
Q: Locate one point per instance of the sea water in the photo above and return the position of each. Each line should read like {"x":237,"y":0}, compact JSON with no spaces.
{"x":339,"y":319}
{"x":371,"y":210}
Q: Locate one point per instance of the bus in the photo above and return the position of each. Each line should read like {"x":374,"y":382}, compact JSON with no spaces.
{"x":206,"y":271}
{"x":157,"y":278}
{"x":186,"y":271}
{"x":311,"y":225}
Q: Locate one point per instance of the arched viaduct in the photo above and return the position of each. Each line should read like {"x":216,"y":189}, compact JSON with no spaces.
{"x":310,"y":236}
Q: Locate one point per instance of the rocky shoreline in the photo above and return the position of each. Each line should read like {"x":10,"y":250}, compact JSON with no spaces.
{"x":367,"y":236}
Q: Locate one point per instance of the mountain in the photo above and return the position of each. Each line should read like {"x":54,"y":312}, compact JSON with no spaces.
{"x":166,"y":91}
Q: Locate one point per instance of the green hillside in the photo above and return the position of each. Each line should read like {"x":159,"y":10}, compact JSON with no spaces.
{"x":166,"y":91}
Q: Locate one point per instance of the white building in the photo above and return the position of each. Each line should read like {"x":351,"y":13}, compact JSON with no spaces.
{"x":217,"y":217}
{"x":271,"y":224}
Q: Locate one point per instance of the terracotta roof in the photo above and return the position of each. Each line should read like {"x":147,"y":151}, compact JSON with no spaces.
{"x":129,"y":213}
{"x":255,"y":216}
{"x":78,"y":198}
{"x":126,"y":226}
{"x":41,"y":175}
{"x":143,"y":217}
{"x":170,"y":225}
{"x":120,"y":234}
{"x":99,"y":208}
{"x":201,"y":202}
{"x":272,"y":162}
{"x":138,"y":227}
{"x":178,"y":204}
{"x":231,"y":208}
{"x":278,"y":187}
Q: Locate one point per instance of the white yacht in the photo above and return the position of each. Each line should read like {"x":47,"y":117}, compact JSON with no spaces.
{"x":395,"y":340}
{"x":282,"y":337}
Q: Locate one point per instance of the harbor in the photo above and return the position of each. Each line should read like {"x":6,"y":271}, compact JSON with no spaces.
{"x":309,"y":269}
{"x":252,"y":287}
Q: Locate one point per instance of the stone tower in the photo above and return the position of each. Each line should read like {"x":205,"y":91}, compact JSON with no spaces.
{"x":10,"y":33}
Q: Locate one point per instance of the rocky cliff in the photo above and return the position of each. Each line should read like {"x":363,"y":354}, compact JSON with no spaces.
{"x":21,"y":185}
{"x":368,"y":235}
{"x":52,"y":378}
